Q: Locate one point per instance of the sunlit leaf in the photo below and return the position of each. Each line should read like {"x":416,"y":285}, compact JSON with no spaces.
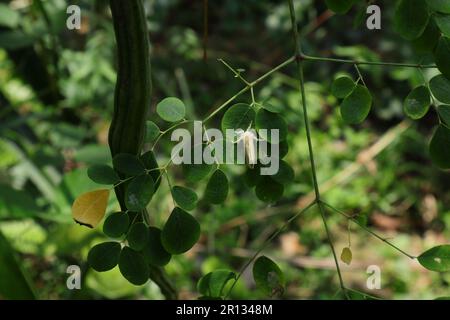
{"x":171,"y":109}
{"x":89,"y":208}
{"x":8,"y":17}
{"x":417,"y":103}
{"x":346,"y":255}
{"x":443,"y":22}
{"x":436,"y":259}
{"x":439,"y":5}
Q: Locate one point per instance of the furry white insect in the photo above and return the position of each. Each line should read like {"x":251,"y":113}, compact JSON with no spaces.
{"x":249,"y":138}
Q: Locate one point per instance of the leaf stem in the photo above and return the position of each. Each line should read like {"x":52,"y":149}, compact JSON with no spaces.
{"x":267,"y":242}
{"x":298,"y":55}
{"x":372,"y":63}
{"x":236,"y":73}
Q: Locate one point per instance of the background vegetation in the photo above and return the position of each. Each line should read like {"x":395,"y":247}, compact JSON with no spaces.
{"x":56,"y":99}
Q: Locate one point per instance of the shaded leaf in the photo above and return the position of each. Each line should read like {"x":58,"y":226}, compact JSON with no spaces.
{"x":342,"y":87}
{"x":268,"y":190}
{"x":14,"y":281}
{"x":270,"y":121}
{"x":440,"y":88}
{"x":153,"y":251}
{"x":133,"y":267}
{"x":339,"y":6}
{"x":184,"y":197}
{"x":150,"y":163}
{"x":180,"y":232}
{"x":104,"y":256}
{"x":151,"y":131}
{"x":217,"y":188}
{"x":103,"y":174}
{"x":197,"y":172}
{"x":411,"y":18}
{"x":272,"y":106}
{"x":268,"y":276}
{"x":128,"y":164}
{"x":116,"y":224}
{"x":137,"y":236}
{"x":356,"y":106}
{"x":441,"y":56}
{"x":429,"y":38}
{"x":213,"y":283}
{"x":285,"y":174}
{"x":439,"y":147}
{"x":238,"y":116}
{"x":444,"y":113}
{"x":139,"y":193}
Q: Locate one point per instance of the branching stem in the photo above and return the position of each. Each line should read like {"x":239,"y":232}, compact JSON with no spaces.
{"x":298,"y":53}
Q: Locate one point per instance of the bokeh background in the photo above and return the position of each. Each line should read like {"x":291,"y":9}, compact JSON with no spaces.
{"x":56,"y":102}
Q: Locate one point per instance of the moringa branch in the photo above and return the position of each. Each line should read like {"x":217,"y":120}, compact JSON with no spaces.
{"x":132,"y":96}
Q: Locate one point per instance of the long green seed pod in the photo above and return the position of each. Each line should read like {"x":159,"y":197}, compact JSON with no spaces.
{"x":132,"y":96}
{"x":133,"y":87}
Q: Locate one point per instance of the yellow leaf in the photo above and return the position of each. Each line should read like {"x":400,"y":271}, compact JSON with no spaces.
{"x":346,"y":255}
{"x":89,"y":208}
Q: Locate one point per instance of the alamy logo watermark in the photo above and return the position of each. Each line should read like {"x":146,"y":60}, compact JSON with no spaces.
{"x":74,"y":20}
{"x":374,"y":280}
{"x":374,"y":20}
{"x":74,"y":280}
{"x":239,"y":146}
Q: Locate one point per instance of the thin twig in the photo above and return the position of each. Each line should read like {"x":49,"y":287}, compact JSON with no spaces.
{"x":368,"y":230}
{"x":266,"y":243}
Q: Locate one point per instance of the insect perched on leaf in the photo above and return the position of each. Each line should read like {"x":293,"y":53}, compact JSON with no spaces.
{"x":249,"y":138}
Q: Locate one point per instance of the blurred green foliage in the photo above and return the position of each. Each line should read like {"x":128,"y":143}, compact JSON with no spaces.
{"x":56,"y":99}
